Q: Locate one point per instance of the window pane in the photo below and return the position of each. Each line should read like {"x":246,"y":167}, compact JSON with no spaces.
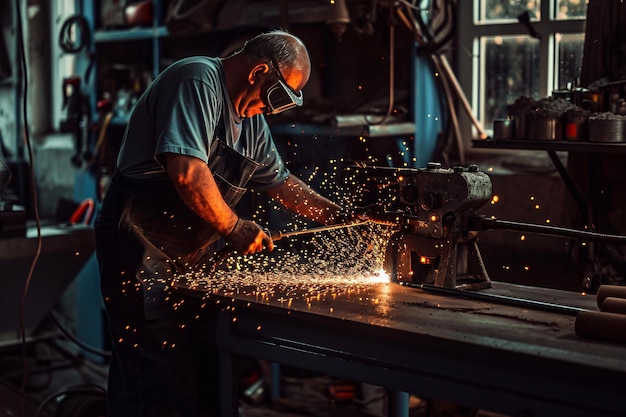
{"x":510,"y":70}
{"x":571,"y":9}
{"x":570,"y":53}
{"x":508,"y":9}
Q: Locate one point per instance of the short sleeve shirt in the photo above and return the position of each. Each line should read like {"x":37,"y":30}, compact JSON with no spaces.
{"x":183,"y":111}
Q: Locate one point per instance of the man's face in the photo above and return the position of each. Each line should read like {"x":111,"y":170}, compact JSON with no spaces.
{"x":275,"y":92}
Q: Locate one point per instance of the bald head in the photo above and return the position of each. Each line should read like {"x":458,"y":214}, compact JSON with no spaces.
{"x":282,"y":48}
{"x":268,"y":60}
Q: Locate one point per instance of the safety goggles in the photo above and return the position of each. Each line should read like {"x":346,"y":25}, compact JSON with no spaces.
{"x":280,"y":97}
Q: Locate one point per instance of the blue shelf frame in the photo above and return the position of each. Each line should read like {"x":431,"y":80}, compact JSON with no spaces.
{"x":101,"y":36}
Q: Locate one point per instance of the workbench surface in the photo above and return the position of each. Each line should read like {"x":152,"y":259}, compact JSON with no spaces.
{"x":504,"y":358}
{"x":64,"y":251}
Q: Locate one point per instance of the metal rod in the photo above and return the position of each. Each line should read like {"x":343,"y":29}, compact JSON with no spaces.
{"x":542,"y":229}
{"x":501,"y":299}
{"x":277,"y":235}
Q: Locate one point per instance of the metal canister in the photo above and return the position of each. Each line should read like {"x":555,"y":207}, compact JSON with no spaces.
{"x":594,"y":101}
{"x":544,"y":126}
{"x":564,"y":95}
{"x":518,"y":119}
{"x":576,"y":124}
{"x":574,"y":96}
{"x":503,"y":129}
{"x":607,"y":127}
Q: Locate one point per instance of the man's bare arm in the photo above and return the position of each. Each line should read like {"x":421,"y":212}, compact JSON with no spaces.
{"x":298,"y":197}
{"x":196,"y":186}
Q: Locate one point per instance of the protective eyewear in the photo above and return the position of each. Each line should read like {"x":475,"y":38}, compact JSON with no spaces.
{"x":280,"y":96}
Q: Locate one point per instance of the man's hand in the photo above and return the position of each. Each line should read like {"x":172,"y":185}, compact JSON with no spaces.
{"x":247,"y":238}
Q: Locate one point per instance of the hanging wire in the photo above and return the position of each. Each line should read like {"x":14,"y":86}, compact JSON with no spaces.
{"x":432,"y":41}
{"x":23,"y":86}
{"x":7,"y":181}
{"x":74,"y":34}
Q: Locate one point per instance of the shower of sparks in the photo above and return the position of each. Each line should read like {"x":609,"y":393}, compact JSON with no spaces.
{"x":321,"y":263}
{"x":329,"y":263}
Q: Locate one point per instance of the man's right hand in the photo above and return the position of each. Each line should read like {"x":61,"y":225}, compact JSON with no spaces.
{"x":247,"y":237}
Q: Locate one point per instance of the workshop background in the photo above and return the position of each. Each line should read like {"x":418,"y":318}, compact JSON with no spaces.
{"x":395,"y":84}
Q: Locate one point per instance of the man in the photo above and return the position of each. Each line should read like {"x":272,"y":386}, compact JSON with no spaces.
{"x":196,"y":140}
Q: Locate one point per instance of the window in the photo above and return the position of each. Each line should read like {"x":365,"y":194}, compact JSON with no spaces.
{"x":513,"y":48}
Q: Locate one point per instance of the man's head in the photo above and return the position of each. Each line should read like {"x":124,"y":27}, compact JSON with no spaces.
{"x":271,"y":70}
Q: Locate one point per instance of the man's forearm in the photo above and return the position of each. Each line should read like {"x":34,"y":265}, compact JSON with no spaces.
{"x":196,"y":186}
{"x":298,"y":197}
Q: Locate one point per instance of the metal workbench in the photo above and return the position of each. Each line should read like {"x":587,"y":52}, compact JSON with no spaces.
{"x":64,"y":250}
{"x":513,"y":360}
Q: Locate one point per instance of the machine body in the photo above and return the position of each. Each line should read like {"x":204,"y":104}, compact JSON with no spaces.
{"x":431,"y":207}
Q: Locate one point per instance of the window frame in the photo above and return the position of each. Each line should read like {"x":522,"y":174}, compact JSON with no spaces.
{"x":468,"y":61}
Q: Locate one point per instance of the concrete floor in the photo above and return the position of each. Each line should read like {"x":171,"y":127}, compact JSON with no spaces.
{"x":50,"y":377}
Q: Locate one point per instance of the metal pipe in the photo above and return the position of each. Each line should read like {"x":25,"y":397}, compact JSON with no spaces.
{"x":502,"y":299}
{"x":277,"y":235}
{"x":493,"y":224}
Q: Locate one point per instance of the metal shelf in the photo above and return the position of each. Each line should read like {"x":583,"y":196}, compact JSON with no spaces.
{"x":102,"y":36}
{"x":309,"y":129}
{"x":551,"y":145}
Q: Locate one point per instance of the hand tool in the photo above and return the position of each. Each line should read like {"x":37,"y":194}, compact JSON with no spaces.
{"x":277,"y":235}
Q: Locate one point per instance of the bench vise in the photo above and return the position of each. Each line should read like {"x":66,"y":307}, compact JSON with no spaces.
{"x":431,"y":207}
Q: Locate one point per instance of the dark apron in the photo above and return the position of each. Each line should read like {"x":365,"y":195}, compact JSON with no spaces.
{"x":158,"y":235}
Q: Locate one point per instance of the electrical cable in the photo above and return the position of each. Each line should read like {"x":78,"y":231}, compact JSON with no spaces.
{"x":442,"y":147}
{"x":3,"y":162}
{"x":443,"y":80}
{"x":76,"y":23}
{"x":76,"y":341}
{"x":79,"y":389}
{"x":9,"y":176}
{"x":434,"y":40}
{"x":425,"y":38}
{"x":23,"y":84}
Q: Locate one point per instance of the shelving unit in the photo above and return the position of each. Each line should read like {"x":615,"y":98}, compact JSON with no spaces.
{"x":117,"y":52}
{"x":129,"y":34}
{"x":11,"y":110}
{"x":551,"y":145}
{"x":589,"y":203}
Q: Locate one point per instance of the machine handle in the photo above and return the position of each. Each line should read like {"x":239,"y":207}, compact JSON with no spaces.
{"x":483,"y":223}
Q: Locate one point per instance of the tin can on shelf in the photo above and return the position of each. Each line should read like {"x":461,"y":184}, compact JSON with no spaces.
{"x":517,"y":112}
{"x":518,"y":121}
{"x":594,"y":100}
{"x":503,"y":129}
{"x":576,"y":125}
{"x":607,"y":127}
{"x":544,"y":126}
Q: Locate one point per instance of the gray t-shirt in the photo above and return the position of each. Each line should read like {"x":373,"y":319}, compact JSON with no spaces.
{"x":183,"y":111}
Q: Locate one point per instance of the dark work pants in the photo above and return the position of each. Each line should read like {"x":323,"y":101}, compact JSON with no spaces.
{"x":164,"y":362}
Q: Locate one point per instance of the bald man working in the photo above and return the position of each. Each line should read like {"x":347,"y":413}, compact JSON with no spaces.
{"x":196,"y":140}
